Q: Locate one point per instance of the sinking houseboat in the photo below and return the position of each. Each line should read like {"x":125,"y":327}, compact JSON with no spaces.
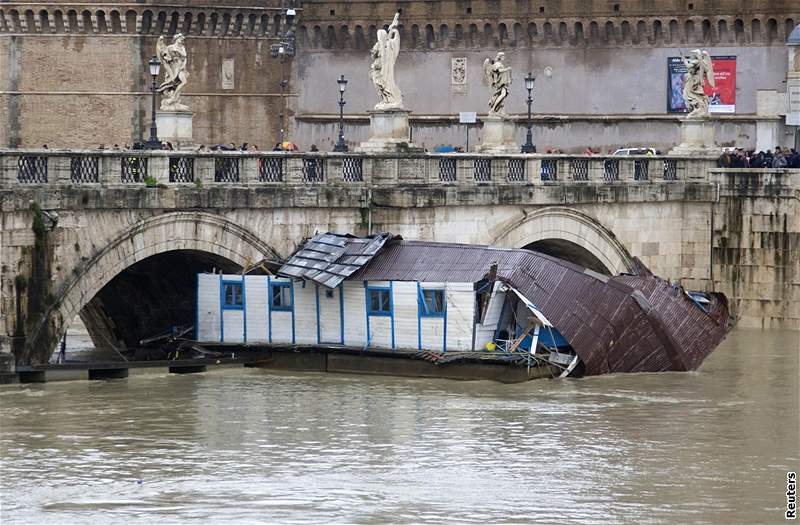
{"x":454,"y":301}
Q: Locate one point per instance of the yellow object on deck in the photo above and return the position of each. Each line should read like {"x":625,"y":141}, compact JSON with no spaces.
{"x":491,"y":347}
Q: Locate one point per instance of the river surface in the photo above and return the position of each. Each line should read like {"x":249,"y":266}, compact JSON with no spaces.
{"x":251,"y":446}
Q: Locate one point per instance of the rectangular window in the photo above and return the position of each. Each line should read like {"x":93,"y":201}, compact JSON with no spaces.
{"x":379,"y":301}
{"x":280,"y":296}
{"x":431,"y":303}
{"x":232,"y":295}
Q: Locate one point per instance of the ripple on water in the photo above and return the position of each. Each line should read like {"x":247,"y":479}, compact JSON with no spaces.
{"x":251,"y":446}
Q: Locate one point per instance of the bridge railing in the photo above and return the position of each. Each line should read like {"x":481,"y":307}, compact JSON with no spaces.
{"x":20,"y":168}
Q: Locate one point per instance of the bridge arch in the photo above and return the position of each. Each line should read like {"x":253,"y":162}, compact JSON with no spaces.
{"x":571,"y":235}
{"x":213,"y":236}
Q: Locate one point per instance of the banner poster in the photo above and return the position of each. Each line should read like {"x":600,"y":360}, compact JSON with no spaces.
{"x":721,"y":99}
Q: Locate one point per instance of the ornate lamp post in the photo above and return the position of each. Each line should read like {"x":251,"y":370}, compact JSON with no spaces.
{"x":155,"y":69}
{"x":529,"y":147}
{"x":340,"y":144}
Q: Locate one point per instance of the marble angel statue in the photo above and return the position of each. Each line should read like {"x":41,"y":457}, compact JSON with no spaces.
{"x":497,"y":75}
{"x":173,"y":60}
{"x":381,"y":71}
{"x":698,"y":71}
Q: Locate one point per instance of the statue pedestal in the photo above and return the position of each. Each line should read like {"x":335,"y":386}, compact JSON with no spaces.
{"x":389,"y":132}
{"x":697,"y":138}
{"x":499,"y":136}
{"x":175,"y":127}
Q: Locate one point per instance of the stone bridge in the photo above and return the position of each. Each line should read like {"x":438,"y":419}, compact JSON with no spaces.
{"x":117,"y":237}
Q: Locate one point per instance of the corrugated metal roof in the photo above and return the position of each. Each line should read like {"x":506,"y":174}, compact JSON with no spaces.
{"x":627,"y":323}
{"x":329,"y":258}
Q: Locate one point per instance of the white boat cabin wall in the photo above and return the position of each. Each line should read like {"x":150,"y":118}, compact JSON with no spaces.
{"x":262,"y":309}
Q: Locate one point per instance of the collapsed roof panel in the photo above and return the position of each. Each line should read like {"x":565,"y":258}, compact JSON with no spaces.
{"x":328,"y":258}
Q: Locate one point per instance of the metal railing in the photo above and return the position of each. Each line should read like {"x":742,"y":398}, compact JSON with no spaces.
{"x":447,"y":169}
{"x":611,"y":170}
{"x":549,"y":171}
{"x":640,"y":169}
{"x":482,"y":168}
{"x":106,"y":168}
{"x":579,"y":169}
{"x":133,"y":169}
{"x":516,"y":170}
{"x":84,"y":169}
{"x":313,"y":169}
{"x":32,"y":170}
{"x":353,"y":169}
{"x":181,"y":169}
{"x":226,"y":169}
{"x":270,"y":169}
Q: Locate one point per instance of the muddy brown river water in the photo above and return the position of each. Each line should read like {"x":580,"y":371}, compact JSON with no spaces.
{"x":250,"y":446}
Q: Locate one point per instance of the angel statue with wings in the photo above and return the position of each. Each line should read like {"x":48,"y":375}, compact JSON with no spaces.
{"x":698,"y":71}
{"x":173,"y":59}
{"x":381,"y":72}
{"x":497,"y":75}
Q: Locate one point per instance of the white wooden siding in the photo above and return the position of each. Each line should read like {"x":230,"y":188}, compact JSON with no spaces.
{"x":330,"y":320}
{"x":355,"y":314}
{"x":460,"y":315}
{"x":460,"y":299}
{"x":305,"y":313}
{"x":281,"y":321}
{"x":256,"y":293}
{"x":405,"y":315}
{"x":208,"y":307}
{"x":233,"y":326}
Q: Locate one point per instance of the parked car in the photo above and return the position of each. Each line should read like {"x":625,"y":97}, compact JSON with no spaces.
{"x":637,"y":151}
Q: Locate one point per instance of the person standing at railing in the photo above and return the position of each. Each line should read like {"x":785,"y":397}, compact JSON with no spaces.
{"x":778,"y":159}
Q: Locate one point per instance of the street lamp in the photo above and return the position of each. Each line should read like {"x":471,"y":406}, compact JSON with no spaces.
{"x":340,"y":144}
{"x":155,"y":69}
{"x":529,"y":147}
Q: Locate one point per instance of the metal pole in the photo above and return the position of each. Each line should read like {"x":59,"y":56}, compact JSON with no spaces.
{"x":153,"y":126}
{"x":340,"y":143}
{"x":467,"y":151}
{"x":529,"y":147}
{"x":283,"y":108}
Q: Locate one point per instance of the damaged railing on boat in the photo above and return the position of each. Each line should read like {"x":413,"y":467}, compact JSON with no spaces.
{"x":252,"y":168}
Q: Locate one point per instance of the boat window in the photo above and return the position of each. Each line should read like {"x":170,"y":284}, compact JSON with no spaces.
{"x":281,"y":296}
{"x":431,"y":303}
{"x":232,"y":295}
{"x":379,"y":301}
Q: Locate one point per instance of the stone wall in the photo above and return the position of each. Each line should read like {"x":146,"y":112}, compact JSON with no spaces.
{"x":74,"y":74}
{"x":756,"y":246}
{"x":77,"y":76}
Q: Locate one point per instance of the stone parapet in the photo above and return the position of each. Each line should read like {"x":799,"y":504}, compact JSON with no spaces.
{"x":104,"y":168}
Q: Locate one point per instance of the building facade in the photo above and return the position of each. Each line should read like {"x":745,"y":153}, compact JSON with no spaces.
{"x":75,"y":74}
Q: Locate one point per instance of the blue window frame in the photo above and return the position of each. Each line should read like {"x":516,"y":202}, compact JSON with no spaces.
{"x":280,"y":296}
{"x":379,"y":301}
{"x":431,"y":302}
{"x":232,"y":296}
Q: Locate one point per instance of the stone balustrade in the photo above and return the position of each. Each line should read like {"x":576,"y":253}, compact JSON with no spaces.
{"x":43,"y":168}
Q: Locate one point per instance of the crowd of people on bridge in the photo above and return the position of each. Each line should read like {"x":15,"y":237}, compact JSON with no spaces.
{"x":780,"y":158}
